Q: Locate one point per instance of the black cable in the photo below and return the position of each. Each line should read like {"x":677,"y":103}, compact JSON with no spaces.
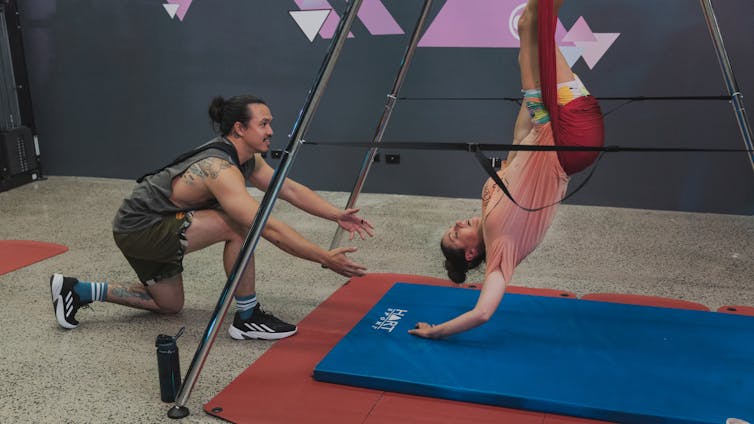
{"x":604,"y":114}
{"x":627,"y":100}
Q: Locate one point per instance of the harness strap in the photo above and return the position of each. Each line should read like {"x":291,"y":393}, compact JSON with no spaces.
{"x":485,"y":162}
{"x":218,"y":145}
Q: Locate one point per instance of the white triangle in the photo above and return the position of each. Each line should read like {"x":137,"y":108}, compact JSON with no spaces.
{"x":171,"y":9}
{"x":571,"y":54}
{"x":310,"y":21}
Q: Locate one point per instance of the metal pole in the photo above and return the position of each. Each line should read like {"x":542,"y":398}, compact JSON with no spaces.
{"x":300,"y":127}
{"x":728,"y":77}
{"x":391,"y":99}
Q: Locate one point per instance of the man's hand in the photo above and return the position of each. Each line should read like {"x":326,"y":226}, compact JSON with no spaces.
{"x":349,"y":221}
{"x":338,"y":262}
{"x":427,"y":331}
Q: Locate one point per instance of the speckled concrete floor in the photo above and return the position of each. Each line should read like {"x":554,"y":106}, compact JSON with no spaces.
{"x":105,"y":371}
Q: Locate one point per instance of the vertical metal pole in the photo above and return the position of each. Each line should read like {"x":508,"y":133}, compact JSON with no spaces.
{"x":730,"y":79}
{"x":300,"y":127}
{"x":9,"y":109}
{"x":391,"y":99}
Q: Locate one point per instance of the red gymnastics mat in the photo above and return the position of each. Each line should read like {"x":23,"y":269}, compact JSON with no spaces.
{"x":16,"y":254}
{"x":278,"y":387}
{"x":644,"y":300}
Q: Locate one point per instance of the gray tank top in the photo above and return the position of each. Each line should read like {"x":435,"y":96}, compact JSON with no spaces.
{"x":150,"y":201}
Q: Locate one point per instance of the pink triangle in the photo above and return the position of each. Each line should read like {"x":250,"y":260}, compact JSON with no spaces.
{"x":580,"y":31}
{"x":183,"y":6}
{"x":592,"y":52}
{"x":560,"y":33}
{"x":481,"y":23}
{"x":313,"y":4}
{"x":378,"y":20}
{"x":331,"y":24}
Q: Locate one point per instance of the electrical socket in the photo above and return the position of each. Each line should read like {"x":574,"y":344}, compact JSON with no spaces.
{"x":393,"y":158}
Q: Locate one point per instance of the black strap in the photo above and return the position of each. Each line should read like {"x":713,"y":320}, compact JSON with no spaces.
{"x":485,"y":162}
{"x":518,"y":99}
{"x":226,"y":147}
{"x":466,"y":146}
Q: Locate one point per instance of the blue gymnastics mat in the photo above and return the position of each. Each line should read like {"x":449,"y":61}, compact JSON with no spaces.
{"x":606,"y":361}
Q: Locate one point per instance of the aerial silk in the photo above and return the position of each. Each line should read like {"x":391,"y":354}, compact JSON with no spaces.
{"x":582,"y":119}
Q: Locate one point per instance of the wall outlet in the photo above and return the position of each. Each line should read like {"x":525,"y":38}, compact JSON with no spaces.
{"x":393,"y":159}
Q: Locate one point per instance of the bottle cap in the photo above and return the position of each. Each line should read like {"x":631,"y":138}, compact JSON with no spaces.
{"x":166,"y":340}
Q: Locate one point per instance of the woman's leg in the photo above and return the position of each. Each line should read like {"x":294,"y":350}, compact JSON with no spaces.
{"x":528,"y":58}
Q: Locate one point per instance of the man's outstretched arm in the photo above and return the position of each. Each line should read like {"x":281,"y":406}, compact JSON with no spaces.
{"x":307,"y":200}
{"x":229,"y":188}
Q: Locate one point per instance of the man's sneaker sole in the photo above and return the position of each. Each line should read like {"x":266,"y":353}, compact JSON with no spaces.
{"x":238,"y":334}
{"x":58,"y":303}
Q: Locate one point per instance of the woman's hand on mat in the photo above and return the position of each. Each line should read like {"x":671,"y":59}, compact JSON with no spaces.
{"x":427,"y":331}
{"x":349,"y":221}
{"x":337,"y":261}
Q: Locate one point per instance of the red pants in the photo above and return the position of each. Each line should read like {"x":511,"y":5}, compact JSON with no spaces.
{"x":580,"y":125}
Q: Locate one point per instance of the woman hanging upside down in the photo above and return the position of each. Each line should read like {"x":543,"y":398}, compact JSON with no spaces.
{"x":506,"y":233}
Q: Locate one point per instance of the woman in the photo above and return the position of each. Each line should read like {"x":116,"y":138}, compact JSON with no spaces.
{"x":506,"y":233}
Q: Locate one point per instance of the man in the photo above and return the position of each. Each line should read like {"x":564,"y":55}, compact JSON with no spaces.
{"x":201,"y":199}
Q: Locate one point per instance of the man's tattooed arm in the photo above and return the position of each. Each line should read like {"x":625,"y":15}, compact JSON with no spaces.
{"x":209,"y":167}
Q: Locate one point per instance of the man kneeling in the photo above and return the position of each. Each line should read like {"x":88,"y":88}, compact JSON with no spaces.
{"x":201,"y":199}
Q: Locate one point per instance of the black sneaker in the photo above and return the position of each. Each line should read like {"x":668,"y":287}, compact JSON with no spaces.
{"x":261,"y":325}
{"x":65,"y":301}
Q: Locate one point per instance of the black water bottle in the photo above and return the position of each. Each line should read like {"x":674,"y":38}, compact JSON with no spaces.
{"x":168,"y":365}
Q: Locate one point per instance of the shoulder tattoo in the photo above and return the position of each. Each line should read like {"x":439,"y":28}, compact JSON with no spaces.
{"x":205,"y":168}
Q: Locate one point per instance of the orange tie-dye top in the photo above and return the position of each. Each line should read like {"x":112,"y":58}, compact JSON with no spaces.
{"x":534,"y":179}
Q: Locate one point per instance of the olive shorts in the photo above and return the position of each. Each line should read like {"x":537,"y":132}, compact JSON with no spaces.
{"x":156,"y":253}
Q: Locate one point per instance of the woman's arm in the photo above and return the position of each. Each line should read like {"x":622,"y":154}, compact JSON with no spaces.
{"x":522,"y":128}
{"x":489,"y":299}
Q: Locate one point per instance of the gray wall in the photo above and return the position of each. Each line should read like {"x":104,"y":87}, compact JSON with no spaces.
{"x":119,"y":88}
